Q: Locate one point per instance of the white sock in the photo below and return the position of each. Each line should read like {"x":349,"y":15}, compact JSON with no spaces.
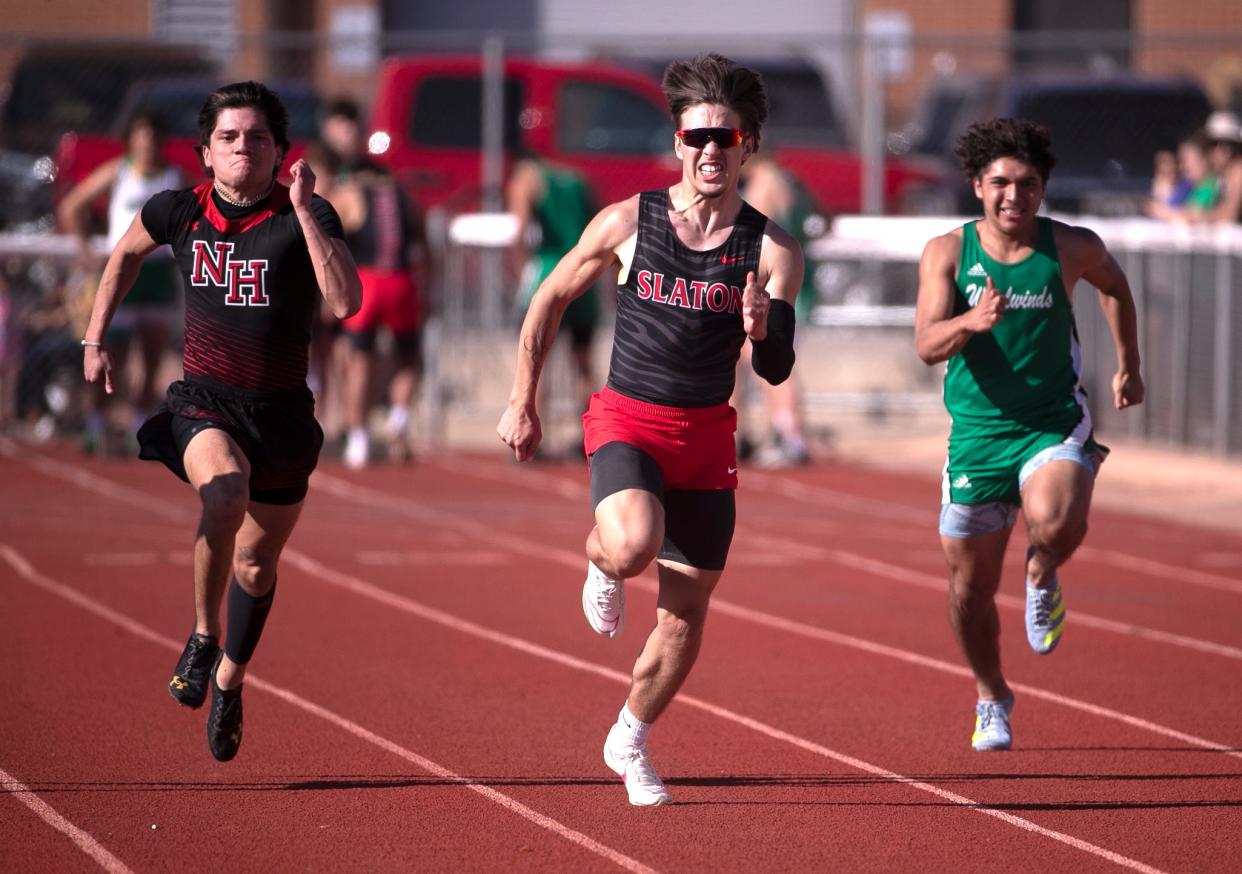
{"x":633,"y":729}
{"x":398,"y":420}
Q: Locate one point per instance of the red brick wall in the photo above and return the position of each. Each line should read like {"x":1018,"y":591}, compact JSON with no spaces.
{"x":66,"y":19}
{"x":1217,"y":65}
{"x":1219,"y":68}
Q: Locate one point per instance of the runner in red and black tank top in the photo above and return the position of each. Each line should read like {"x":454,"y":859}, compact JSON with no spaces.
{"x":249,"y":282}
{"x":240,"y":428}
{"x":679,"y":314}
{"x":704,"y":271}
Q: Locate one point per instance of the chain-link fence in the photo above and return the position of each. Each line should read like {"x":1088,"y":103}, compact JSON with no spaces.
{"x":864,"y":124}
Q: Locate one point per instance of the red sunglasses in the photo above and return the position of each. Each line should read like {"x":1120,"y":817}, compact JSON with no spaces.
{"x":724,"y":137}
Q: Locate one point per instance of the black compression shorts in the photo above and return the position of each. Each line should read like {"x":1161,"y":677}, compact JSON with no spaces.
{"x":698,"y":523}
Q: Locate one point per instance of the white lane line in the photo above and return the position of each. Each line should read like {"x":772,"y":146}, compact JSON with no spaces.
{"x":10,"y":785}
{"x":787,"y":549}
{"x":899,"y":512}
{"x":341,"y":488}
{"x":357,"y":586}
{"x":825,"y":497}
{"x":28,"y":572}
{"x":575,"y":560}
{"x":1077,"y":617}
{"x":889,"y":510}
{"x":1154,"y":568}
{"x":484,"y":534}
{"x":347,"y":490}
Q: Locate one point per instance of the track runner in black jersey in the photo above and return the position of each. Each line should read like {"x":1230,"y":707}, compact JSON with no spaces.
{"x":255,"y":257}
{"x":701,"y":272}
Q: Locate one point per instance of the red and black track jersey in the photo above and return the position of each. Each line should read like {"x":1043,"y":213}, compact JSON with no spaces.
{"x":249,"y":283}
{"x":679,"y":314}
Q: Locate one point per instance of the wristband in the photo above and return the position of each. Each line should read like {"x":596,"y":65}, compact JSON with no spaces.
{"x":96,"y":343}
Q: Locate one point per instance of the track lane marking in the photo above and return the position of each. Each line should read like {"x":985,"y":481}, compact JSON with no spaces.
{"x":888,"y":510}
{"x":355,"y":585}
{"x":348,"y":491}
{"x":81,"y":839}
{"x":404,"y":506}
{"x":410,"y":508}
{"x":28,"y":572}
{"x":908,"y":576}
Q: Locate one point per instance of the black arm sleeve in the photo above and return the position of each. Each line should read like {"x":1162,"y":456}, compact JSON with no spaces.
{"x":773,"y":357}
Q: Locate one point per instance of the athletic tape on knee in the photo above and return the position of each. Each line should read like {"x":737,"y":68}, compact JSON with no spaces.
{"x":247,"y":615}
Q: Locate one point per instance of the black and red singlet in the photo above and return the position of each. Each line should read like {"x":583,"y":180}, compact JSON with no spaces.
{"x":679,"y":314}
{"x":249,"y":283}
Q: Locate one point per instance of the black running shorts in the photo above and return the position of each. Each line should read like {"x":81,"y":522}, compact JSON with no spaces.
{"x":276,"y":431}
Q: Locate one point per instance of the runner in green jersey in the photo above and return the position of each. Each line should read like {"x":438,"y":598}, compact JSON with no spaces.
{"x":995,"y":303}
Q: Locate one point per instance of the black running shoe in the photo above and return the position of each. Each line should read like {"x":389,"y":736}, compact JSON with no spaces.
{"x":189,"y":683}
{"x":224,"y":719}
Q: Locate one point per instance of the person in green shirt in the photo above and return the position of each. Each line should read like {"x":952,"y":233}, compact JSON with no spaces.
{"x":994,"y":302}
{"x":553,"y":205}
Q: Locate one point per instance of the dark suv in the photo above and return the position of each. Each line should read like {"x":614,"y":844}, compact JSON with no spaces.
{"x":1105,"y":131}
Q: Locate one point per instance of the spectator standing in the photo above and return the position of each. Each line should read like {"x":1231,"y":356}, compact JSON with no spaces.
{"x":151,"y":306}
{"x":1224,"y":132}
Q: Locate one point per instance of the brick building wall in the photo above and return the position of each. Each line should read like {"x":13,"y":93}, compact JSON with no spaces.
{"x":953,"y":22}
{"x":1215,"y":61}
{"x":1220,"y":71}
{"x":69,"y":19}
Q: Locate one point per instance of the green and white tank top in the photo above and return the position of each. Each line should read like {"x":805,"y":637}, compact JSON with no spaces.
{"x":1025,"y":371}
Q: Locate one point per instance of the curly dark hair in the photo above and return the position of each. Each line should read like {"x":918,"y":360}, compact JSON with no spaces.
{"x":240,"y":95}
{"x":713,"y":78}
{"x":1018,"y":138}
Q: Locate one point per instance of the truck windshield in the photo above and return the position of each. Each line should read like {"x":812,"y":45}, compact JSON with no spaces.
{"x":448,"y":113}
{"x":598,"y":117}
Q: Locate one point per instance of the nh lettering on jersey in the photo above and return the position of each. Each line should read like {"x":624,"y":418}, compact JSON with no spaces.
{"x":245,"y":282}
{"x":1026,"y":300}
{"x":696,"y":295}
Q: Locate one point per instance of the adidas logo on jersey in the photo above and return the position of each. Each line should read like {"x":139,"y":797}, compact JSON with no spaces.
{"x":962,"y":482}
{"x":977,"y":270}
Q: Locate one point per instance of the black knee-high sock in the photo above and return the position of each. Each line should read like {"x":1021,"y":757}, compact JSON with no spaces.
{"x":247,"y":614}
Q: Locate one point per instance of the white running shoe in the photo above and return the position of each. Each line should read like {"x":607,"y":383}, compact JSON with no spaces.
{"x":357,"y":450}
{"x":633,"y":765}
{"x":603,"y":601}
{"x":992,"y":731}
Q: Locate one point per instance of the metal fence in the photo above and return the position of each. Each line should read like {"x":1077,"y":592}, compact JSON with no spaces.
{"x":856,"y":356}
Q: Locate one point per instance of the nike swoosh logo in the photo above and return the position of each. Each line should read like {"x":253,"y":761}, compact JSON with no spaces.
{"x":725,"y":259}
{"x":733,"y":470}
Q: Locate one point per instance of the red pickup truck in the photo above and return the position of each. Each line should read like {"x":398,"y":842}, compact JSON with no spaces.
{"x":610,"y":122}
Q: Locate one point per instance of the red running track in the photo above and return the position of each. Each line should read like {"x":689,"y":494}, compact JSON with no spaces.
{"x":428,"y":697}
